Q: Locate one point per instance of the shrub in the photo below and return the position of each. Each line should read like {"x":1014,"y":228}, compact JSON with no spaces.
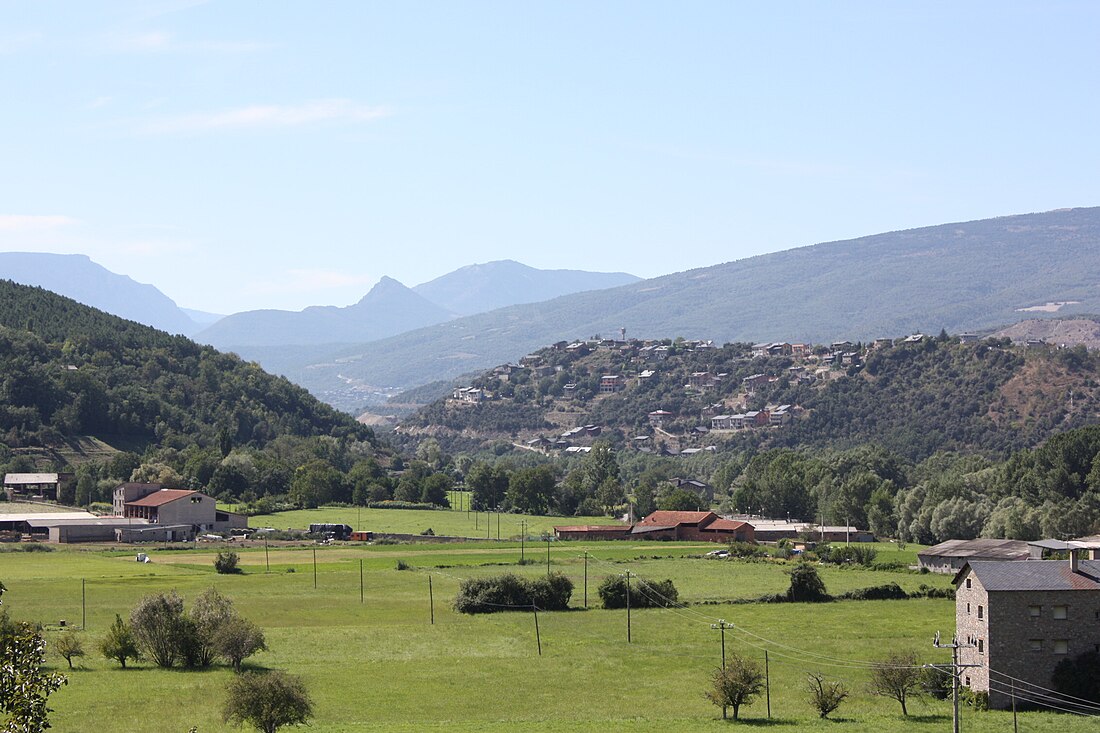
{"x":236,"y":639}
{"x":267,"y":702}
{"x":735,"y":685}
{"x":160,"y":628}
{"x":510,"y":592}
{"x":400,"y":505}
{"x":643,"y":593}
{"x":746,"y":549}
{"x":68,"y":645}
{"x":119,"y":643}
{"x":806,"y":585}
{"x":551,"y":592}
{"x":226,"y":562}
{"x":887,"y":592}
{"x":402,"y":565}
{"x":825,"y":696}
{"x":852,"y":555}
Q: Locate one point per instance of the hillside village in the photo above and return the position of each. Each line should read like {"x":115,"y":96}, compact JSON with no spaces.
{"x":673,"y":397}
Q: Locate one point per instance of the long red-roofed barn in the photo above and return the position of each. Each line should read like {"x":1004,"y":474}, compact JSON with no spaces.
{"x":667,"y":525}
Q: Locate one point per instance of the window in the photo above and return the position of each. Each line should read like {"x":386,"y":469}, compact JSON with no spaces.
{"x":981,"y":612}
{"x":968,"y":582}
{"x":967,"y":609}
{"x":968,"y":681}
{"x":1035,"y":645}
{"x":1060,"y":612}
{"x":1034,"y":611}
{"x":1061,"y":646}
{"x":981,"y":646}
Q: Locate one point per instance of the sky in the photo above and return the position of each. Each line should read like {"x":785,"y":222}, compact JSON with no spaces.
{"x":242,"y":155}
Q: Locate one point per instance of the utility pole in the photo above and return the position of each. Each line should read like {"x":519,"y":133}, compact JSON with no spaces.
{"x":628,"y":639}
{"x":83,"y":607}
{"x":538,"y":637}
{"x":547,"y":554}
{"x":954,"y":646}
{"x":522,"y":537}
{"x":498,"y":523}
{"x":768,"y":683}
{"x":722,"y":626}
{"x":361,"y":580}
{"x":431,"y":600}
{"x":586,"y":578}
{"x":267,"y":559}
{"x":314,"y":568}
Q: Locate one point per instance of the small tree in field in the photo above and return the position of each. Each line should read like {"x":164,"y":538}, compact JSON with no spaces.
{"x":208,"y":614}
{"x":736,"y":685}
{"x":160,"y":628}
{"x":898,"y":676}
{"x":119,"y":643}
{"x":268,"y":701}
{"x":237,"y":639}
{"x":825,"y":696}
{"x":69,"y":645}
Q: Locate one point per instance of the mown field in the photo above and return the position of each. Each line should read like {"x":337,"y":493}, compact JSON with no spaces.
{"x":415,"y":521}
{"x":381,"y":665}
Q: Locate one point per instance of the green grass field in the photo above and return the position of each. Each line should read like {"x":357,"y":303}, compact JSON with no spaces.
{"x":380,"y":665}
{"x":453,"y":523}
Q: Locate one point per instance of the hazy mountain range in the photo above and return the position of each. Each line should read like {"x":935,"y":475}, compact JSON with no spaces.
{"x":964,"y":276}
{"x":77,"y":277}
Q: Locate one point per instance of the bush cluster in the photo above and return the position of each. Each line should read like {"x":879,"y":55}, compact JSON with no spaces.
{"x":168,"y":636}
{"x":643,"y":593}
{"x":887,"y":592}
{"x":510,"y":592}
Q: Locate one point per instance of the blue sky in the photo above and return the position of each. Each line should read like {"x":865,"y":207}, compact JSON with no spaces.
{"x":244,"y":155}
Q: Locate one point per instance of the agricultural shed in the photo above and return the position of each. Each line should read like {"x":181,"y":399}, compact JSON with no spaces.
{"x":952,"y":555}
{"x":593,"y":532}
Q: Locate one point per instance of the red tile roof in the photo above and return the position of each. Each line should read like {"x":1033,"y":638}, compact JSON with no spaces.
{"x":674,"y":518}
{"x":164,"y":496}
{"x":725,"y":525}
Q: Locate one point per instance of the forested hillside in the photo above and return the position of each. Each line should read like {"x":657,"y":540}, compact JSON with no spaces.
{"x":914,"y":398}
{"x":186,"y":414}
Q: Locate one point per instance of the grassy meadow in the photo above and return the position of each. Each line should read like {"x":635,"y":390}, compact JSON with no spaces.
{"x":381,"y":665}
{"x":454,"y":523}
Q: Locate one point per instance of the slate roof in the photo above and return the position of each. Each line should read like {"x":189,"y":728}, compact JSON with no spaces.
{"x":31,"y":479}
{"x":985,"y":549}
{"x":1033,"y":575}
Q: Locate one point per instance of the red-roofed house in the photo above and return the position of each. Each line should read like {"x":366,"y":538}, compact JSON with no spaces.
{"x":706,"y":526}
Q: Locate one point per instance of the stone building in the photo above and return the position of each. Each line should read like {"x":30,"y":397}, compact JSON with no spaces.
{"x":1019,"y":619}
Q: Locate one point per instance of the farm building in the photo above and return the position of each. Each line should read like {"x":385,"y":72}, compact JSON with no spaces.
{"x":593,"y":532}
{"x":706,"y":526}
{"x":1018,"y":620}
{"x":39,"y":486}
{"x":952,"y":555}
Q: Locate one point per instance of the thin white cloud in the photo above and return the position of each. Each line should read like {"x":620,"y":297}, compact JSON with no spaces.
{"x":33,"y":223}
{"x":270,"y":116}
{"x":157,"y":41}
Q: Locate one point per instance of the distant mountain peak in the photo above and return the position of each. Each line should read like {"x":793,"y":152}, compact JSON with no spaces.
{"x":487,"y":286}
